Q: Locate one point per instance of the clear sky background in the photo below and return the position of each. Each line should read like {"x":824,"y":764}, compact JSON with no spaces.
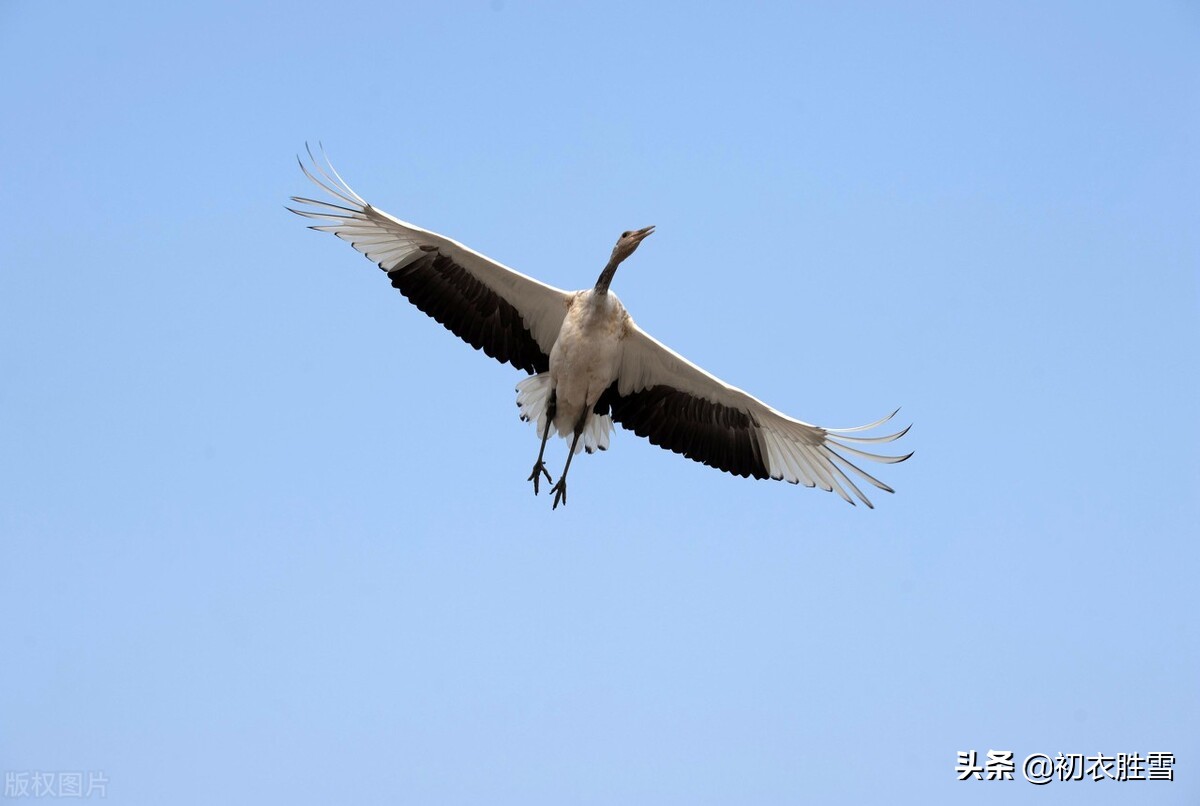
{"x":265,"y":529}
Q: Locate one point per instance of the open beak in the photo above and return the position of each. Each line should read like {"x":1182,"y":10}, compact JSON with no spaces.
{"x":642,"y":233}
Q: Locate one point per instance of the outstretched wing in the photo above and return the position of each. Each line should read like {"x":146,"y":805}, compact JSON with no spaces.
{"x":511,"y":317}
{"x":662,"y":396}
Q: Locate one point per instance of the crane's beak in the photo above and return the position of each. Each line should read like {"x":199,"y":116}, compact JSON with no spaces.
{"x":642,"y":233}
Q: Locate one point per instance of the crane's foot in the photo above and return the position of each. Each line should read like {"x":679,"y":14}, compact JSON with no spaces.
{"x":560,"y":493}
{"x":539,"y":470}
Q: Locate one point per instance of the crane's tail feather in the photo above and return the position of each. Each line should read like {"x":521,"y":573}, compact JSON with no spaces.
{"x":533,"y":398}
{"x":596,"y":432}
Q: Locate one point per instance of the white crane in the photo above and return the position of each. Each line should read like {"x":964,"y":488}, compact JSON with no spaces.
{"x":589,"y":364}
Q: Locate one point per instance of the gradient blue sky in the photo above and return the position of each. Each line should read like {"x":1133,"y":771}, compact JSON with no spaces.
{"x":265,"y":533}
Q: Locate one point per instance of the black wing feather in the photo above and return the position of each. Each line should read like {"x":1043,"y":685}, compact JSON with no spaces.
{"x":713,"y":434}
{"x":470,"y":310}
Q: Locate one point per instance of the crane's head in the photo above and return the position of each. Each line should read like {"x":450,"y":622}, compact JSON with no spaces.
{"x":629,"y":241}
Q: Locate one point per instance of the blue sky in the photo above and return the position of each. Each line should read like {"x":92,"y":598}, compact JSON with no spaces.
{"x":265,"y":533}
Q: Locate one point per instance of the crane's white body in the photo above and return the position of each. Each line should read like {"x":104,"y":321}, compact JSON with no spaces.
{"x":584,"y":361}
{"x":592,"y":344}
{"x":586,"y":355}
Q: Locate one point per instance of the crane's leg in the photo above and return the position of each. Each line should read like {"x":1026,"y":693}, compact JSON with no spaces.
{"x":560,"y":489}
{"x":538,"y":467}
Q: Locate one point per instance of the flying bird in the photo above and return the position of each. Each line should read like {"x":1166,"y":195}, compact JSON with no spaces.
{"x":589,"y":364}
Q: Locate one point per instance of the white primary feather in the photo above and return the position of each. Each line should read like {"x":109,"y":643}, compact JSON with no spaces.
{"x":393,"y":244}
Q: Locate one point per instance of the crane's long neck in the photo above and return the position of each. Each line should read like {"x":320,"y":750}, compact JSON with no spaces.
{"x":606,"y":276}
